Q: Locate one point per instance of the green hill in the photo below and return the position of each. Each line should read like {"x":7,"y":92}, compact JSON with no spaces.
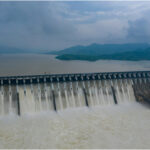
{"x":100,"y":49}
{"x":131,"y":55}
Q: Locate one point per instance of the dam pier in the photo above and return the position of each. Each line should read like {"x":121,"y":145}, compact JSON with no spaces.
{"x":56,"y":92}
{"x":72,"y":77}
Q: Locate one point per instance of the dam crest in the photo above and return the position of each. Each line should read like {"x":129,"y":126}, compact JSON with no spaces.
{"x":56,"y":92}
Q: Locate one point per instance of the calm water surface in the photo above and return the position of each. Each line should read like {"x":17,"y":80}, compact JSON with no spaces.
{"x":30,"y":64}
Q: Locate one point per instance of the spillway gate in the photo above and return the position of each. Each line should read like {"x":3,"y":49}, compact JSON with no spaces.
{"x":56,"y":92}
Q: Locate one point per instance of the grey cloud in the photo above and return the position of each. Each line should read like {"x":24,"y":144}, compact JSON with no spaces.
{"x":139,"y":30}
{"x":33,"y":25}
{"x":57,"y":25}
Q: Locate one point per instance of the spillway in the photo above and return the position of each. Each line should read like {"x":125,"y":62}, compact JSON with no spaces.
{"x":29,"y":95}
{"x":98,"y":110}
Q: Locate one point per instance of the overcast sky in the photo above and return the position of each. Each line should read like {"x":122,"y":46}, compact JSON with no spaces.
{"x":57,"y":25}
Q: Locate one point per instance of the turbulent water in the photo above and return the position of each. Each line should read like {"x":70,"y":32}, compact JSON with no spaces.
{"x":121,"y":126}
{"x":72,"y":114}
{"x":37,"y":98}
{"x":101,"y":125}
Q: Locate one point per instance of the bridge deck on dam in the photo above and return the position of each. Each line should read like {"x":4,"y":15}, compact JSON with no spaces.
{"x":55,"y":92}
{"x":28,"y":79}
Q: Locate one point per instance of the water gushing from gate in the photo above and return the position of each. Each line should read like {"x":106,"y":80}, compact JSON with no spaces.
{"x":40,"y":97}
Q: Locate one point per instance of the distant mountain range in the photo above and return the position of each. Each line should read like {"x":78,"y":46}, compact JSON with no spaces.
{"x":99,"y":49}
{"x":95,"y":52}
{"x":13,"y":50}
{"x":130,"y":56}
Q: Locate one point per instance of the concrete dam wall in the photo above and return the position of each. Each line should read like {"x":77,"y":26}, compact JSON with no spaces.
{"x":22,"y":95}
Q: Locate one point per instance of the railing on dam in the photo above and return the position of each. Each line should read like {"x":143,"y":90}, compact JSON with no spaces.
{"x":56,"y":92}
{"x":72,"y":77}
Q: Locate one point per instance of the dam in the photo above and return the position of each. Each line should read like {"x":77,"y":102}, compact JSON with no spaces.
{"x":22,"y":95}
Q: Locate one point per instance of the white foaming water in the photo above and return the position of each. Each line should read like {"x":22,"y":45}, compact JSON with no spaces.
{"x":102,"y":125}
{"x":37,"y":98}
{"x":120,"y":126}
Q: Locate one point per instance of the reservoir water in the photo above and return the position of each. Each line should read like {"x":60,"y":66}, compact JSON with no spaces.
{"x":39,"y":64}
{"x":103,"y":125}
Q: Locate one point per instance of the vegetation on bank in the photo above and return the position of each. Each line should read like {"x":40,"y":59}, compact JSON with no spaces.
{"x":130,"y":56}
{"x":101,"y":49}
